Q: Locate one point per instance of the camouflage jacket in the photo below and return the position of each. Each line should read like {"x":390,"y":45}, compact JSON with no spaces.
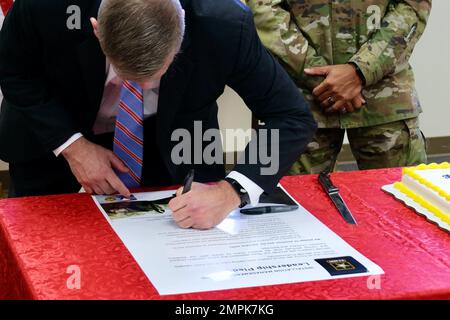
{"x":378,"y":35}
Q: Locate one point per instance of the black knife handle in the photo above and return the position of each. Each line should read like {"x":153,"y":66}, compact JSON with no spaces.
{"x":325,"y":181}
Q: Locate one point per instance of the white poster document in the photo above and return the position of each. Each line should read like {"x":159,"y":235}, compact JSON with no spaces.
{"x":243,"y":251}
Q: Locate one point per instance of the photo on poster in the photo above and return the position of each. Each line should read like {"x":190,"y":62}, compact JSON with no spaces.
{"x":119,"y":208}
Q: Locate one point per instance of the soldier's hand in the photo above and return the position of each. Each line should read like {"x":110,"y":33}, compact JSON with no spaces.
{"x":343,"y":106}
{"x":358,"y":102}
{"x":340,"y":86}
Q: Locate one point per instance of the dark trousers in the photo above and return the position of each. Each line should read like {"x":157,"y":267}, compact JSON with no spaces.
{"x":50,"y":175}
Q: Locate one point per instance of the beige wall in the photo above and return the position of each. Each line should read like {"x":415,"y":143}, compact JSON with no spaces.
{"x":3,"y":166}
{"x":431,"y":62}
{"x":233,"y":114}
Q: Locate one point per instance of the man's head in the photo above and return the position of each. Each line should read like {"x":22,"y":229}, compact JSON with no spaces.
{"x":140,"y":37}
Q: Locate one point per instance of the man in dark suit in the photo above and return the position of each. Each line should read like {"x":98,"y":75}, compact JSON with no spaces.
{"x":63,"y":81}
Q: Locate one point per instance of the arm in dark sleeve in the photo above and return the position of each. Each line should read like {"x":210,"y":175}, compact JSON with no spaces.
{"x":275,"y":100}
{"x":29,"y":98}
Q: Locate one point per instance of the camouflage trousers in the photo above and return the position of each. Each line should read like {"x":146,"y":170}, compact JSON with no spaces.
{"x":395,"y":144}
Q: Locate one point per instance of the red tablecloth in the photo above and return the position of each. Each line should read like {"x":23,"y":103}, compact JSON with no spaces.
{"x":40,"y":237}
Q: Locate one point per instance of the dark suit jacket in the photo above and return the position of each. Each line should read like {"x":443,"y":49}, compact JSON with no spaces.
{"x":53,"y":78}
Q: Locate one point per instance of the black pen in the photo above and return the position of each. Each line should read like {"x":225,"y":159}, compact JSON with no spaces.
{"x":188,"y":182}
{"x":269,"y":209}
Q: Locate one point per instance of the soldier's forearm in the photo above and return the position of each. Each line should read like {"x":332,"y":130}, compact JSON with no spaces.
{"x":280,"y":34}
{"x":389,"y":49}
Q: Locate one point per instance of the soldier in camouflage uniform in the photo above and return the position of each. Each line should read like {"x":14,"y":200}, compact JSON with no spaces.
{"x":350,"y":59}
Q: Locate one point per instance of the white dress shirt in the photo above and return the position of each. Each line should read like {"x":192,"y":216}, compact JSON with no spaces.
{"x":106,"y":121}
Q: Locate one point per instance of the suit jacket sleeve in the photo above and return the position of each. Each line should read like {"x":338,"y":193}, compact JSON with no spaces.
{"x":275,"y":100}
{"x":29,"y":97}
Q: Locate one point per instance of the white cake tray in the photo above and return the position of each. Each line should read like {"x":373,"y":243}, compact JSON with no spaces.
{"x":416,"y":207}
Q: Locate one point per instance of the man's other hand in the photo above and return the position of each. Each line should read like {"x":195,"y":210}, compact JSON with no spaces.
{"x":205,"y":206}
{"x":93,"y":167}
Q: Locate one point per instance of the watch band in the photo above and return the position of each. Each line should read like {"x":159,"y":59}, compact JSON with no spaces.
{"x":242,"y":193}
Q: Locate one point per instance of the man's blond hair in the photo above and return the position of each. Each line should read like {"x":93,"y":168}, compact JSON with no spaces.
{"x":138,"y":36}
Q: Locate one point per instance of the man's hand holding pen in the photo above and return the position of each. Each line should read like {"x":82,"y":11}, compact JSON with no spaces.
{"x":204,"y":206}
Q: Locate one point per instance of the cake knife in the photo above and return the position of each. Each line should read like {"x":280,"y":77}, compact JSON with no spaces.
{"x":333,"y":193}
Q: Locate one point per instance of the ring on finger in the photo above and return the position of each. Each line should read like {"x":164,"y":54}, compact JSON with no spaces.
{"x":330,"y":100}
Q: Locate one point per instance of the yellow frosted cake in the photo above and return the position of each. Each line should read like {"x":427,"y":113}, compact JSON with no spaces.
{"x":429,"y":186}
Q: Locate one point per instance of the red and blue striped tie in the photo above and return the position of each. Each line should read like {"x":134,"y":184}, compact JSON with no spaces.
{"x":129,"y":133}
